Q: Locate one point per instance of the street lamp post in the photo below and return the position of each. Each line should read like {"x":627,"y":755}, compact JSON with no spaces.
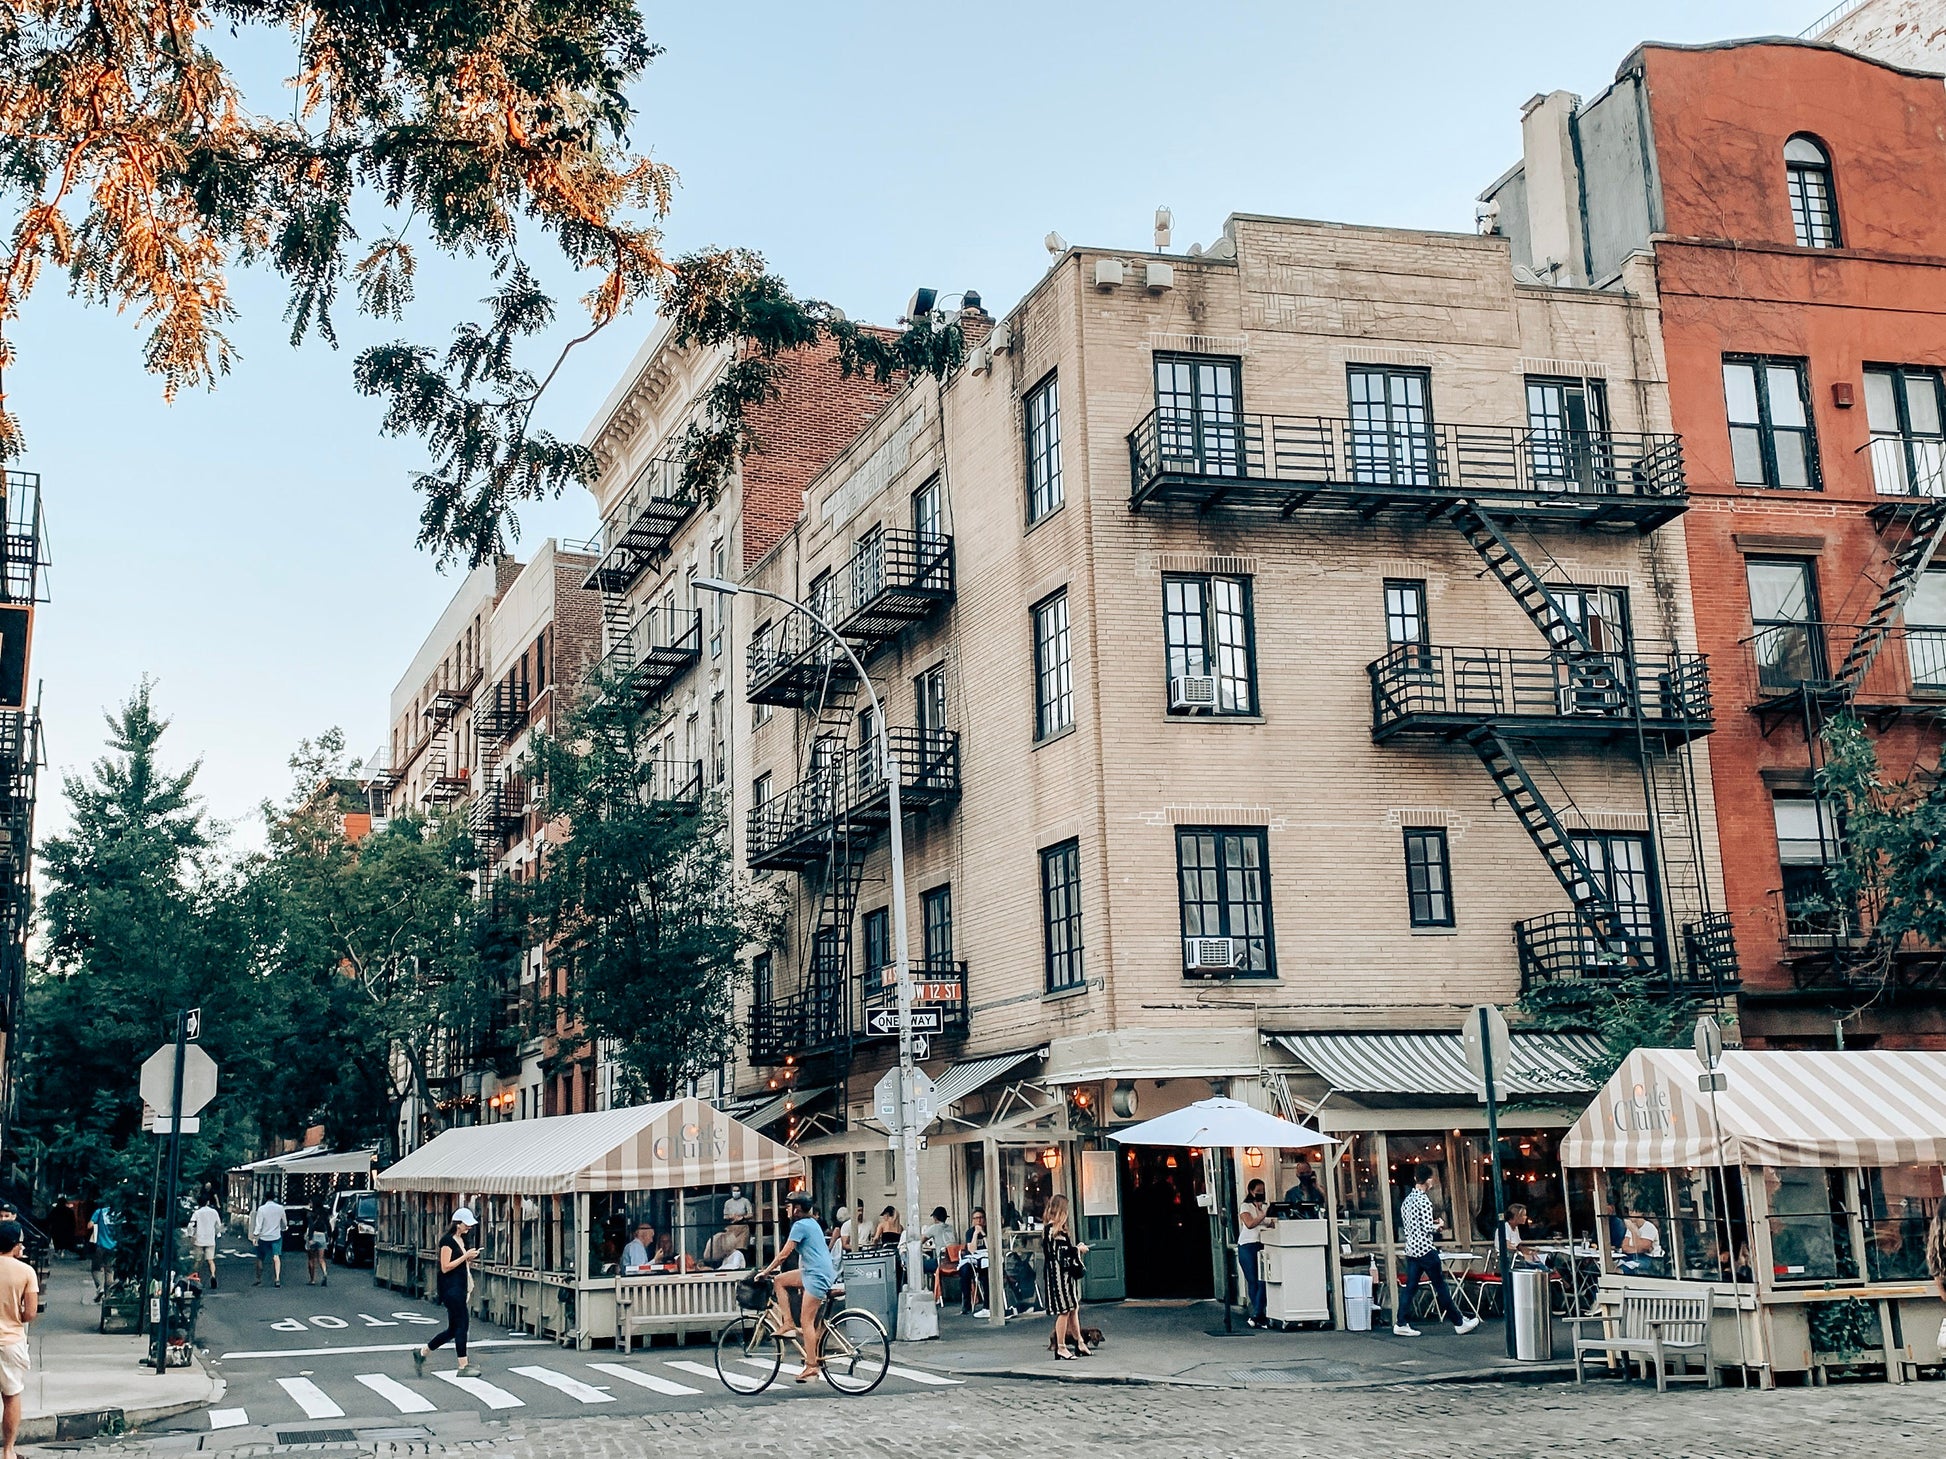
{"x":918,"y":1318}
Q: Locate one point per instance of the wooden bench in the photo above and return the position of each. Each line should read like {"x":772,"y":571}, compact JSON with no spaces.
{"x":679,"y":1303}
{"x":1654,"y":1327}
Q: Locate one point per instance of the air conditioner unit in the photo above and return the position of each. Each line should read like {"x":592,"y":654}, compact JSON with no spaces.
{"x":1192,"y":691}
{"x":1212,"y":954}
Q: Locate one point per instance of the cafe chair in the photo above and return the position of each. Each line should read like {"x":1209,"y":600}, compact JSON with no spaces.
{"x":947,"y":1275}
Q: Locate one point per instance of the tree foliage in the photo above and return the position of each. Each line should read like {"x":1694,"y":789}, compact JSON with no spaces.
{"x":1626,"y":1015}
{"x":640,"y":904}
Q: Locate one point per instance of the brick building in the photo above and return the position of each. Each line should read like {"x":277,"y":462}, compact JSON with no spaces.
{"x":1788,"y":193}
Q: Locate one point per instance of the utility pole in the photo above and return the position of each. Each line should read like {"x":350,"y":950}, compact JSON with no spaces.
{"x":1505,"y":1255}
{"x":160,"y":1336}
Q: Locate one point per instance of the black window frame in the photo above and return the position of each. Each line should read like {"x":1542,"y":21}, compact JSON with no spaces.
{"x":929,"y":524}
{"x":1177,"y":644}
{"x":1053,"y":678}
{"x":1062,"y":945}
{"x":1045,"y":492}
{"x":763,"y":989}
{"x":1428,"y":860}
{"x":929,"y":711}
{"x":1765,"y":426}
{"x":1221,"y":867}
{"x":1397,"y":618}
{"x":1199,"y":423}
{"x":875,"y":946}
{"x":1912,"y":442}
{"x":1777,"y":642}
{"x":1576,"y":457}
{"x":1813,"y":192}
{"x":1411,"y":448}
{"x":936,"y":925}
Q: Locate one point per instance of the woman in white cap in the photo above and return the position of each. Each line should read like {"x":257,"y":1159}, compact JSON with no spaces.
{"x":455,"y":1257}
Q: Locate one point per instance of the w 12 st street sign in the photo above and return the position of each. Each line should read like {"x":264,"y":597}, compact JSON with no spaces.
{"x":884,"y":1022}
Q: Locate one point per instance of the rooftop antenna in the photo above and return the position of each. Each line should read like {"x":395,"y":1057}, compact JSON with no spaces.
{"x":1164,"y":221}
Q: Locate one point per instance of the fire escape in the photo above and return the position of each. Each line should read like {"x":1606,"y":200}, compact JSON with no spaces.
{"x":1582,"y":686}
{"x":826,"y":826}
{"x":23,"y":584}
{"x":446,"y":781}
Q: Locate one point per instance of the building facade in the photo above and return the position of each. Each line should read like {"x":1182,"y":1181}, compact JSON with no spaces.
{"x":1787,"y":191}
{"x":23,"y":586}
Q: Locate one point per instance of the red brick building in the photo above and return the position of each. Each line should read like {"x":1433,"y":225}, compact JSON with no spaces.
{"x":1794,"y":198}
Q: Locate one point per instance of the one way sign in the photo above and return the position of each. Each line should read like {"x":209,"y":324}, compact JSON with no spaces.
{"x":884,"y":1022}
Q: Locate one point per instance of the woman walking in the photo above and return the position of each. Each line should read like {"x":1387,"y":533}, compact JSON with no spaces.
{"x":456,"y":1259}
{"x":1063,"y":1260}
{"x":317,"y":1241}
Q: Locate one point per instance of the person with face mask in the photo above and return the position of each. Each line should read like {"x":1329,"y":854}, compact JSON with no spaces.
{"x":737,"y":1206}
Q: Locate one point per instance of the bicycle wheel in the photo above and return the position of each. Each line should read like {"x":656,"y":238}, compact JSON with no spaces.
{"x":748,"y":1355}
{"x":854,"y":1352}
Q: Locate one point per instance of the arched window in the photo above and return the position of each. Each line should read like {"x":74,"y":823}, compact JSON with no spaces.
{"x":1813,"y":213}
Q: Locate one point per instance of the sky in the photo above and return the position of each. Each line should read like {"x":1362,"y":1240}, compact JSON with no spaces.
{"x":252,"y":549}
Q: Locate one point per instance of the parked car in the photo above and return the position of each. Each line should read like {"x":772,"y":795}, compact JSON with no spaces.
{"x":354,"y":1227}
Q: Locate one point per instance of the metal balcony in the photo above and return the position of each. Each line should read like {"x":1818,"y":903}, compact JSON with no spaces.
{"x":677,"y":782}
{"x":653,"y":652}
{"x":1284,"y":463}
{"x":1830,"y":946}
{"x":814,"y":1020}
{"x":444,"y":707}
{"x":637,"y":532}
{"x":940,"y":985}
{"x":1434,"y":689}
{"x":1783,"y":664}
{"x":1560,"y":948}
{"x":896,"y":579}
{"x":795,"y":666}
{"x":505,"y":713}
{"x":23,"y":551}
{"x":850,"y":794}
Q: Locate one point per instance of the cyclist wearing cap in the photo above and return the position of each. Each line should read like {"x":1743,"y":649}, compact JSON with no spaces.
{"x":814,"y":1275}
{"x":455,"y":1281}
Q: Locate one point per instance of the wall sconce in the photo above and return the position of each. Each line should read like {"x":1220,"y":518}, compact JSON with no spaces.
{"x":1051,"y":1157}
{"x":1252,"y":1156}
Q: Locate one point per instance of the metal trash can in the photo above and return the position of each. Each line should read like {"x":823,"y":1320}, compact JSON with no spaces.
{"x":1533,"y":1316}
{"x":1358,"y":1302}
{"x":872,"y":1283}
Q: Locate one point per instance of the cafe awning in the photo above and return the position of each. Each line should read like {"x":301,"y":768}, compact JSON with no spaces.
{"x":680,"y":1143}
{"x":767,"y":1115}
{"x":968,"y":1077}
{"x":342,"y":1162}
{"x":1811,"y":1107}
{"x":1435,"y":1063}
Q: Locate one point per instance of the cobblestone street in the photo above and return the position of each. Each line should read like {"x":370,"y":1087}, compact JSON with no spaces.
{"x":1051,"y":1421}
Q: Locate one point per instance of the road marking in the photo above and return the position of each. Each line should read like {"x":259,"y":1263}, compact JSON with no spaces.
{"x":697,"y":1368}
{"x":920,"y":1375}
{"x":315,"y":1402}
{"x":645,"y":1380}
{"x":481,"y":1389}
{"x":561,"y":1382}
{"x":397,"y":1394}
{"x":390,"y":1347}
{"x":228,"y":1418}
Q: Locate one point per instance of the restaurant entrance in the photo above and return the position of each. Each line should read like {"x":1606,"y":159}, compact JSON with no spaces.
{"x":1166,"y":1232}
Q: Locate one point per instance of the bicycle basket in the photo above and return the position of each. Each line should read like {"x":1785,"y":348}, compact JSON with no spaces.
{"x":753,"y":1293}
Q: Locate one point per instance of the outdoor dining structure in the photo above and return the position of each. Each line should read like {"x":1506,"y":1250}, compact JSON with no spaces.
{"x":560,"y":1200}
{"x":1798,"y":1193}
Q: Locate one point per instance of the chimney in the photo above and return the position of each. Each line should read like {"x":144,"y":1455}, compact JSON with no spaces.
{"x":975,"y":324}
{"x":1554,"y":236}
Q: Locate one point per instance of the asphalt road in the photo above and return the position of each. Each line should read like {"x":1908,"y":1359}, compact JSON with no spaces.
{"x":299,"y":1360}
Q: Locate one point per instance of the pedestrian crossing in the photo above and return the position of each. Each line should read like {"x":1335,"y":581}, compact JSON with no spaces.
{"x":508,"y":1388}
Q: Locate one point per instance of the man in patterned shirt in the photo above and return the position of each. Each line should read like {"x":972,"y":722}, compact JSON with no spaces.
{"x":1418,"y":1230}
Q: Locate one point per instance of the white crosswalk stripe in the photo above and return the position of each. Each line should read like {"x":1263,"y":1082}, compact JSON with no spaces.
{"x":491,"y":1396}
{"x":651,"y":1381}
{"x":228,"y":1418}
{"x":397,"y":1394}
{"x":697,"y":1368}
{"x":315,"y":1402}
{"x":562,"y":1383}
{"x":920,"y":1375}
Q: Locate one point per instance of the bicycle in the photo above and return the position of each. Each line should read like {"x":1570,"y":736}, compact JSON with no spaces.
{"x":854,"y":1352}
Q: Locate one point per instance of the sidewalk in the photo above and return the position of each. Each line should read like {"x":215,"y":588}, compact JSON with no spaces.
{"x":1182,"y":1343}
{"x":84,"y":1383}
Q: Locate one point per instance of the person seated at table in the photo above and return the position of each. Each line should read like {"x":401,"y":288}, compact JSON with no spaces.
{"x":1304,"y":1190}
{"x":646,"y":1249}
{"x":890,"y":1230}
{"x":1640,"y":1253}
{"x":1511,"y":1232}
{"x":725,"y":1249}
{"x":973,"y":1258}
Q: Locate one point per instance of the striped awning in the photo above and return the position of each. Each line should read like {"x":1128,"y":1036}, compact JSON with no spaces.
{"x":960,"y":1080}
{"x":1873,"y":1107}
{"x":767,"y":1115}
{"x":680,"y":1143}
{"x":1435,"y":1063}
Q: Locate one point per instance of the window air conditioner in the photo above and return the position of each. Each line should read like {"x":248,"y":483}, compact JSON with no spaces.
{"x":1192,"y":691}
{"x":1212,"y":954}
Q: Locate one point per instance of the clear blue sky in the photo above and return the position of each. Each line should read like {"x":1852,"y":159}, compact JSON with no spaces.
{"x":253,"y":548}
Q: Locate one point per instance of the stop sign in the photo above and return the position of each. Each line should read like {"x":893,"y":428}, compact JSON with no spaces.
{"x":159,"y":1079}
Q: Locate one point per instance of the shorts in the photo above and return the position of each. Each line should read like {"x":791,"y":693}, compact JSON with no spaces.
{"x":267,"y":1247}
{"x":206,"y":1253}
{"x":316,"y":1241}
{"x":101,"y":1258}
{"x":816,"y":1283}
{"x":13,"y":1369}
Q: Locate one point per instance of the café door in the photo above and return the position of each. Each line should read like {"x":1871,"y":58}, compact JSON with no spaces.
{"x":1166,"y":1232}
{"x":1101,"y":1227}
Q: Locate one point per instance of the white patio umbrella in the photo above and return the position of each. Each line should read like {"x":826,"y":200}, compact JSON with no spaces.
{"x":1221,"y":1124}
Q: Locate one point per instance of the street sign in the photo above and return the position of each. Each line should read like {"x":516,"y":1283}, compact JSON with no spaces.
{"x":1503,"y":1052}
{"x":1709,"y":1042}
{"x":885,"y":1100}
{"x":159,"y":1123}
{"x":159,"y":1079}
{"x":884,"y":1022}
{"x":192,"y":1024}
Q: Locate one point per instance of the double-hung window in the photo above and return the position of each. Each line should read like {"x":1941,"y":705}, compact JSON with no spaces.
{"x":1808,"y":849}
{"x":1043,"y":410}
{"x":1428,"y":877}
{"x":936,"y":914}
{"x":1223,"y":883}
{"x":1771,"y":439}
{"x":929,"y":701}
{"x":1053,"y":669}
{"x":1814,"y":209}
{"x":928,"y":521}
{"x":1061,"y":916}
{"x":1905,"y":408}
{"x":1211,"y":646}
{"x":1786,"y":634}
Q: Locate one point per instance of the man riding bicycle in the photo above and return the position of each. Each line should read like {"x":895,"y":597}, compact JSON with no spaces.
{"x":814,"y":1277}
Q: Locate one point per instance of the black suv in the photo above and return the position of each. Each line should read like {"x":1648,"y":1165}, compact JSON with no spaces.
{"x":354,"y":1227}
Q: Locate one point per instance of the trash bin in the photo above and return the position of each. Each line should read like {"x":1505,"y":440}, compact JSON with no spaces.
{"x":1358,"y":1302}
{"x":1533,"y":1316}
{"x":872,"y":1283}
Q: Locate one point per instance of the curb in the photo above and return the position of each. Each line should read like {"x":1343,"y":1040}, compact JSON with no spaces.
{"x":100,"y":1422}
{"x":1538,"y":1373}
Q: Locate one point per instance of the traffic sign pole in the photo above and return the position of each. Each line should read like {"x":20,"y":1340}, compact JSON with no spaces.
{"x":1499,"y":1190}
{"x":161,"y":1334}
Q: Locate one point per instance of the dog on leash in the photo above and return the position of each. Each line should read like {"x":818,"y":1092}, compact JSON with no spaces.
{"x":1089,"y":1335}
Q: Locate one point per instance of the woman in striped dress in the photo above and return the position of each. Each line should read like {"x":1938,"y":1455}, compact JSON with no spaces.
{"x":1062,"y":1256}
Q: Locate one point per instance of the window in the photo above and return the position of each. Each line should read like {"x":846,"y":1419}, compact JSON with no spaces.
{"x":1810,"y":1224}
{"x":1043,"y":449}
{"x":1904,"y":409}
{"x":1925,"y":631}
{"x":1567,"y":434}
{"x":717,"y":751}
{"x":1208,"y":634}
{"x":719,"y":566}
{"x":936,"y":912}
{"x":1771,"y":442}
{"x":1788,"y":639}
{"x":868,"y":568}
{"x":760,"y":651}
{"x":822,"y":599}
{"x":1405,"y":615}
{"x":1053,"y":671}
{"x":1807,"y":850}
{"x":1814,"y":211}
{"x":760,"y":791}
{"x":929,"y":701}
{"x":1428,"y":878}
{"x":1391,"y":426}
{"x":1061,"y":915}
{"x":1223,"y":880}
{"x":871,"y":765}
{"x":1624,"y":874}
{"x":1198,"y":429}
{"x":878,"y":947}
{"x":927,"y":523}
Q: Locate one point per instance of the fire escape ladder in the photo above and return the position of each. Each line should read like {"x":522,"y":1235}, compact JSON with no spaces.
{"x":1504,"y":561}
{"x":1596,"y":908}
{"x":1928,"y":530}
{"x":828,"y":1003}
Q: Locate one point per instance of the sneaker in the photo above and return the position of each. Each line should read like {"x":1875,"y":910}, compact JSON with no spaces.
{"x":1463,"y":1328}
{"x":1400,"y":1329}
{"x":982,"y":1312}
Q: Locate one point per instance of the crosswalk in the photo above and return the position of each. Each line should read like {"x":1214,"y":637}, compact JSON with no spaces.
{"x":444,"y":1390}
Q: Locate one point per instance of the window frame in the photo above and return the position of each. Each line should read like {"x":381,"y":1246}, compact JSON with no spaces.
{"x":1041,"y":432}
{"x":1422,"y":640}
{"x":1913,"y":445}
{"x":1809,"y":214}
{"x":1424,"y":839}
{"x":938,"y":950}
{"x":1211,"y":648}
{"x":875,"y":947}
{"x":1214,"y":439}
{"x":1418,"y":464}
{"x":1062,"y":860}
{"x":1220,"y":836}
{"x":929,"y":699}
{"x":1818,"y":661}
{"x":1766,"y":425}
{"x":1053,"y":680}
{"x":928,"y":509}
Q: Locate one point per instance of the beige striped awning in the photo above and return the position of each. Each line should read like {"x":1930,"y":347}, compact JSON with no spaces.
{"x":1871,"y":1107}
{"x":681,"y":1143}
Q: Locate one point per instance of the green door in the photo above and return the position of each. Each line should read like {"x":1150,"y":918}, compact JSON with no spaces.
{"x":1106,"y":1279}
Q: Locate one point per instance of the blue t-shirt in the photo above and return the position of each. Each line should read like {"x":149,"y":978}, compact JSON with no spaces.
{"x":813,"y":1251}
{"x":105,"y":1229}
